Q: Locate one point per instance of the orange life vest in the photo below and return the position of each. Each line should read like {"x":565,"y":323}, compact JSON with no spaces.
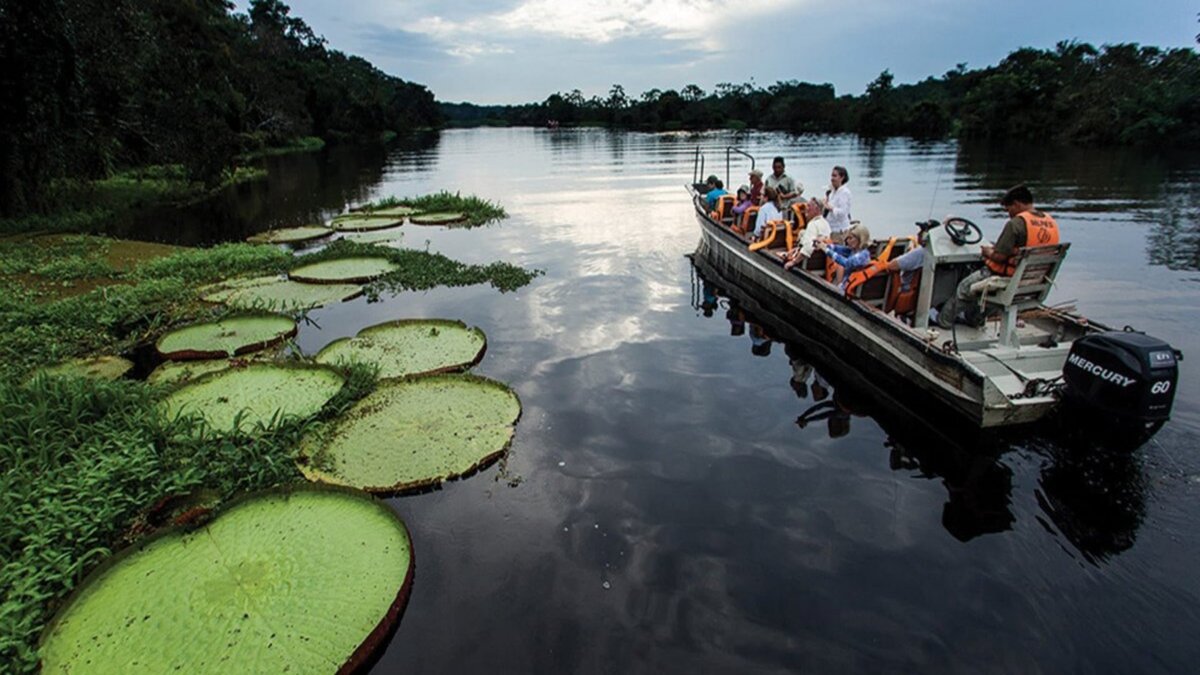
{"x":1039,"y":231}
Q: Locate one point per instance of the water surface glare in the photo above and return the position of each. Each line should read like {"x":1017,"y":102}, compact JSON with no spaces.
{"x":663,"y":511}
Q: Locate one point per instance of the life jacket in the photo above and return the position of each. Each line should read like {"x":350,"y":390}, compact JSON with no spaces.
{"x":1039,"y":231}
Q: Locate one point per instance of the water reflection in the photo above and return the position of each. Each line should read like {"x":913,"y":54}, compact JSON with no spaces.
{"x":1091,"y":494}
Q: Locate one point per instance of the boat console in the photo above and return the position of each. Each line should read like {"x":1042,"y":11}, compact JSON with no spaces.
{"x":951,"y":253}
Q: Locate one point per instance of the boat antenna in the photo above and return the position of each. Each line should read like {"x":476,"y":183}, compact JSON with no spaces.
{"x":933,"y":199}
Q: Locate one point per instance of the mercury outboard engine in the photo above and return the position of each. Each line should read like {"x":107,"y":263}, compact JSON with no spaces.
{"x":1128,"y":376}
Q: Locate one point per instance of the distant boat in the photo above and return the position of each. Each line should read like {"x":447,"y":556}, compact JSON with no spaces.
{"x":1012,"y":371}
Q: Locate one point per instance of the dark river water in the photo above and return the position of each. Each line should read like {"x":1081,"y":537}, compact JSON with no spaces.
{"x":690,"y":490}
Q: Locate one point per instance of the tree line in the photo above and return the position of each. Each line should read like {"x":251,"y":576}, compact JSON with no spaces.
{"x":93,"y":86}
{"x":1121,"y":94}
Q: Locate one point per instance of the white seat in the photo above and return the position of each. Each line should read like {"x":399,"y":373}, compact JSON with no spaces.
{"x":1027,"y":288}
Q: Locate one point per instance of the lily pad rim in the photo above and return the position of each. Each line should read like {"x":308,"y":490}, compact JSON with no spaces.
{"x":343,"y":280}
{"x":314,"y":475}
{"x":193,"y":354}
{"x":458,"y":368}
{"x":264,"y":237}
{"x":372,"y":641}
{"x":340,"y":224}
{"x":421,"y":218}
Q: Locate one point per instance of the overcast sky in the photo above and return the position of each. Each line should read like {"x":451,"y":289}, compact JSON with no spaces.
{"x":517,"y":51}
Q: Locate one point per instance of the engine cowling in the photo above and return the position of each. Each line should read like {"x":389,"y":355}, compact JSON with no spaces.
{"x":1129,"y":376}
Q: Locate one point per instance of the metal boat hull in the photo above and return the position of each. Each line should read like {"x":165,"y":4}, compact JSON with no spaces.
{"x":852,"y":326}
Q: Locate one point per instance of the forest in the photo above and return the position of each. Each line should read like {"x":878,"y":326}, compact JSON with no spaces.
{"x":95,"y":87}
{"x":1121,"y":94}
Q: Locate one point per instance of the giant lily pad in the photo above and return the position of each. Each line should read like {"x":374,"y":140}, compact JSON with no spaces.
{"x":178,"y":372}
{"x":362,"y":223}
{"x":438,"y":218}
{"x":276,"y":293}
{"x":240,"y":398}
{"x":304,"y":580}
{"x":290,"y":235}
{"x":391,"y":211}
{"x":343,"y":271}
{"x":410,"y":347}
{"x":228,"y":337}
{"x":377,"y":236}
{"x":414,"y":433}
{"x":99,"y":367}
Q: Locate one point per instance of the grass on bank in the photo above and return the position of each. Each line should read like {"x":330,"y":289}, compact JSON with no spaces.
{"x":302,"y":144}
{"x":478,"y":211}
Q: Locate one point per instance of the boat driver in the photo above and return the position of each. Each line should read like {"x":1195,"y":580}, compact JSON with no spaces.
{"x":788,"y":189}
{"x":1026,"y":226}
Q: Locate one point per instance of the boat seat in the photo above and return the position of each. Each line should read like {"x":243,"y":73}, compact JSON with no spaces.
{"x":746,"y":224}
{"x":1028,"y":287}
{"x":775,"y":235}
{"x":723,"y":213}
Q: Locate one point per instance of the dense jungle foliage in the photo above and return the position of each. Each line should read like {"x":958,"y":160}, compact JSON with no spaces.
{"x":1117,"y":94}
{"x":92,"y":87}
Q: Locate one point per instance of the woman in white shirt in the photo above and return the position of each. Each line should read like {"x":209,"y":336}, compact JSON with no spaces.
{"x":771,"y":209}
{"x":837,"y":203}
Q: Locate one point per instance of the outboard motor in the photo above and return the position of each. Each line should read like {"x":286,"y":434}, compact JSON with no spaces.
{"x":1128,"y":376}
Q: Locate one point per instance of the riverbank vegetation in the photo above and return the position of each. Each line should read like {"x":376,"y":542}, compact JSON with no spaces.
{"x":86,"y":461}
{"x":476,"y":210}
{"x":96,"y":88}
{"x":1121,"y":94}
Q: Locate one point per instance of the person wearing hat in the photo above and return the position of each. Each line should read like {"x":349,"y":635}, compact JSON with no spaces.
{"x":716,"y":189}
{"x":743,"y":201}
{"x":756,"y":187}
{"x":850,"y":256}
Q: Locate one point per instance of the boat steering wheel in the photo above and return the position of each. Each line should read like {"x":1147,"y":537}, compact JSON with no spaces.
{"x":962,"y":231}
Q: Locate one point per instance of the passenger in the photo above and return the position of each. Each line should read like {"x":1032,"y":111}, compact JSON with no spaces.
{"x":851,"y":256}
{"x":715,"y":189}
{"x":1026,"y":226}
{"x":837,"y":203}
{"x":772,"y":209}
{"x":756,"y":187}
{"x":742,"y":202}
{"x":788,"y":189}
{"x":816,"y":230}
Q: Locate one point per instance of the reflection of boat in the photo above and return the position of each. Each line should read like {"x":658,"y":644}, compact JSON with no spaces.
{"x":1004,"y":373}
{"x":1090,"y":491}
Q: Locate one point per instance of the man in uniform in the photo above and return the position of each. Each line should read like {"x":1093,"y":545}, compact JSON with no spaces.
{"x":1026,"y":226}
{"x":787,"y":188}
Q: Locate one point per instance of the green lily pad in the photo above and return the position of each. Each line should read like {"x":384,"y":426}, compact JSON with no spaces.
{"x":275,"y":293}
{"x":361,"y":223}
{"x":410,"y":347}
{"x":178,"y":372}
{"x":391,"y":211}
{"x":413,"y":433}
{"x":240,"y":398}
{"x":377,"y":236}
{"x":343,"y":271}
{"x":438,"y":218}
{"x":228,"y":337}
{"x":290,"y":235}
{"x":99,"y":367}
{"x":303,"y":580}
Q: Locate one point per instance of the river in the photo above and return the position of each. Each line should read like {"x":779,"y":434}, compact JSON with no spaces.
{"x":663,"y":510}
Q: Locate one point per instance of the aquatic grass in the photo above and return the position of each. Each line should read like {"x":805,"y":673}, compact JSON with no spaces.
{"x":204,"y":265}
{"x":478,"y":211}
{"x":84,"y":459}
{"x":421,"y":270}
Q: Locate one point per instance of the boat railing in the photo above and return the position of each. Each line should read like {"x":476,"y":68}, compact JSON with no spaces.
{"x":729,"y":152}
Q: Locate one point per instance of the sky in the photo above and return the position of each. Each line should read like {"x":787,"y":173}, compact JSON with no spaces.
{"x":519,"y":51}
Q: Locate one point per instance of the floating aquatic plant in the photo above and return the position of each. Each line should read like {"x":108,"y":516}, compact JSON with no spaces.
{"x":278,"y":294}
{"x":290,"y":235}
{"x":442,"y":218}
{"x":244,"y":397}
{"x":302,"y":580}
{"x":101,"y":367}
{"x":228,"y":337}
{"x":410,"y":347}
{"x":354,"y":270}
{"x":413,"y":433}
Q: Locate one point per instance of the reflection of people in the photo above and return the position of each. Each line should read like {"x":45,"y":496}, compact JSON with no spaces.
{"x":709,"y":302}
{"x":1026,"y":226}
{"x":802,"y":370}
{"x":760,"y":342}
{"x":837,"y":203}
{"x":737,"y":320}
